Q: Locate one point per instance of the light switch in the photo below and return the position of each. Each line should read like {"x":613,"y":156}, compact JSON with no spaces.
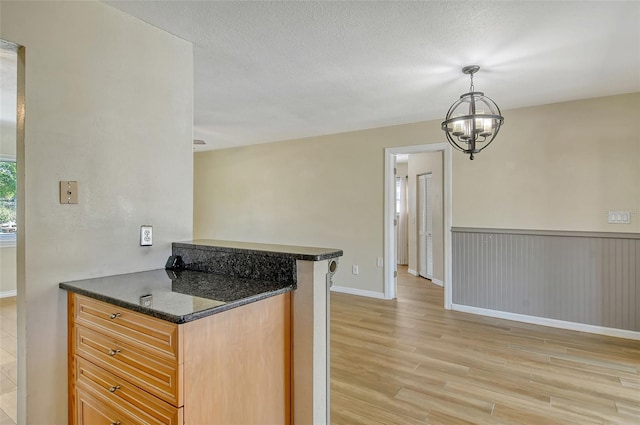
{"x":68,"y":192}
{"x":619,"y":217}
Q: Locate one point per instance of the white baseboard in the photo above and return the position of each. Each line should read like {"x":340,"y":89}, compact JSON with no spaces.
{"x":432,"y":279}
{"x":7,"y":294}
{"x":437,"y":282}
{"x":554,"y":323}
{"x":359,"y":292}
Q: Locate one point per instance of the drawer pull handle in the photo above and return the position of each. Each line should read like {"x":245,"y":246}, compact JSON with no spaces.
{"x":115,"y":423}
{"x":113,"y":352}
{"x":114,"y":316}
{"x":114,"y":388}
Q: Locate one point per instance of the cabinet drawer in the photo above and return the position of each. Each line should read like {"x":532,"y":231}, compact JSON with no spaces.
{"x":103,"y":398}
{"x":156,"y":375}
{"x":137,"y":328}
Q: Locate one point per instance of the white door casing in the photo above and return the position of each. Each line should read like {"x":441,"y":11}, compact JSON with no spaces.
{"x":389,"y":216}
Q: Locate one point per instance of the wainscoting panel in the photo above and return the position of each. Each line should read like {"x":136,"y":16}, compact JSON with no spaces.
{"x":583,"y":277}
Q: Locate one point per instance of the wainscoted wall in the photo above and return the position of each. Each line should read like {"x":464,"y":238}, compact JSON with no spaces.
{"x":590,"y":278}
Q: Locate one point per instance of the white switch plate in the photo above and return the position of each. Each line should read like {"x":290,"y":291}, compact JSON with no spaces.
{"x":146,"y":235}
{"x":619,"y":217}
{"x":354,"y":269}
{"x":380,"y":262}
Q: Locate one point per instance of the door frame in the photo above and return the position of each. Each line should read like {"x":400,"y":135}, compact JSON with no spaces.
{"x":390,"y":252}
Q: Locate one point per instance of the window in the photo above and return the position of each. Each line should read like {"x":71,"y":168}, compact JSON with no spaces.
{"x":8,"y":178}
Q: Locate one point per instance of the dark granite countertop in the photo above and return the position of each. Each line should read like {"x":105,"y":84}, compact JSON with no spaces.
{"x":283,"y":251}
{"x":177,"y":296}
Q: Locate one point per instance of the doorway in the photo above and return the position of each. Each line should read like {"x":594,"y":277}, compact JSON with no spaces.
{"x":390,"y":250}
{"x":9,"y":230}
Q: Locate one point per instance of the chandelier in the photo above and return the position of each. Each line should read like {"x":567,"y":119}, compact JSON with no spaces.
{"x":473,"y":121}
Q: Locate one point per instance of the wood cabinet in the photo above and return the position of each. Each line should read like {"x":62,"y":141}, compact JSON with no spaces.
{"x":232,"y":367}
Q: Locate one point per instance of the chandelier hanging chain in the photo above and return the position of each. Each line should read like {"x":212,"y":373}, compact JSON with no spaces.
{"x":471,"y":87}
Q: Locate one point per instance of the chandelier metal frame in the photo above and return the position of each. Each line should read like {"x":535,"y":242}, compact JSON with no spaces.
{"x":468,"y":127}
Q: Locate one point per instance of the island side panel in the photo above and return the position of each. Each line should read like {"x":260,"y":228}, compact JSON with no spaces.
{"x":310,"y":345}
{"x":237,"y":365}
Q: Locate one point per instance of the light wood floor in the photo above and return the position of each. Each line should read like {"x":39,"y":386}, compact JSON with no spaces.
{"x":8,"y":375}
{"x":409,"y":361}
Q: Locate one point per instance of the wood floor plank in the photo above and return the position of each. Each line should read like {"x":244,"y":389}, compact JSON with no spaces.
{"x":631,"y":410}
{"x":409,"y":361}
{"x":606,"y":415}
{"x":441,"y":418}
{"x":377,"y":413}
{"x":361,"y":397}
{"x":521,"y":415}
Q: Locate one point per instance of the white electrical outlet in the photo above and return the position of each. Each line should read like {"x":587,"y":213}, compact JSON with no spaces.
{"x":354,"y":269}
{"x":146,"y":301}
{"x":146,"y":235}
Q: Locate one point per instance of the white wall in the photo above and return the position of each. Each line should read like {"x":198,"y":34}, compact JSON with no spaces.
{"x":109,"y":103}
{"x":423,"y":163}
{"x":552,"y":167}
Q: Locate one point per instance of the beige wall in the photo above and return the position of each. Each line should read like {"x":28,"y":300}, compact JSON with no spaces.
{"x":424,"y":163}
{"x":556,"y":167}
{"x":559,"y":166}
{"x":323,"y":191}
{"x":108,"y":103}
{"x":8,"y":79}
{"x":7,"y":269}
{"x":402,"y":168}
{"x":7,"y":138}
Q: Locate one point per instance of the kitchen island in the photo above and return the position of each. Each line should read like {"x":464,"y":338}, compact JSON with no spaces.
{"x":239,"y":334}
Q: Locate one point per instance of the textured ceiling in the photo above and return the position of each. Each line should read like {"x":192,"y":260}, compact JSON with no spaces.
{"x":268,"y":71}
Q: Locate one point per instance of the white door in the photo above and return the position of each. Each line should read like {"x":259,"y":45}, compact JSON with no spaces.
{"x":425,"y":227}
